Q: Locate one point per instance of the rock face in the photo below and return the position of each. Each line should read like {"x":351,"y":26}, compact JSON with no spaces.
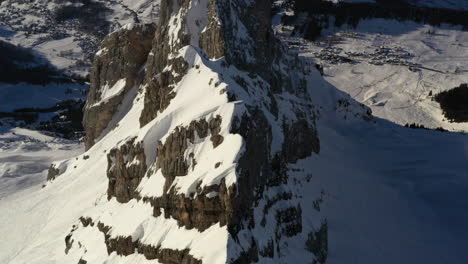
{"x":163,"y":71}
{"x":170,"y":155}
{"x":126,"y":167}
{"x":52,"y":172}
{"x":211,"y":40}
{"x":122,"y":57}
{"x":228,"y":116}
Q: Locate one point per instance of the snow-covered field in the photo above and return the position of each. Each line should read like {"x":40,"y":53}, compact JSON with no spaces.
{"x":395,"y":86}
{"x":25,"y":156}
{"x":65,"y":44}
{"x":395,"y":195}
{"x":451,"y":4}
{"x":22,"y":95}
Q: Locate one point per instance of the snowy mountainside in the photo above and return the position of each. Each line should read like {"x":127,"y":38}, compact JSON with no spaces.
{"x":68,"y":33}
{"x":47,"y":48}
{"x":450,"y":4}
{"x":396,"y":67}
{"x":210,"y":141}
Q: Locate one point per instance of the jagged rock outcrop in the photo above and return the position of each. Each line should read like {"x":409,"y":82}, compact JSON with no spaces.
{"x":300,"y":141}
{"x":126,"y":168}
{"x":163,"y":70}
{"x":171,"y":154}
{"x":200,"y":212}
{"x":227,"y":166}
{"x":126,"y":246}
{"x":52,"y":172}
{"x":211,"y":39}
{"x":122,"y":57}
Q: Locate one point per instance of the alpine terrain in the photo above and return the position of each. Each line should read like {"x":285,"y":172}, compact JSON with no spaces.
{"x":233,"y":131}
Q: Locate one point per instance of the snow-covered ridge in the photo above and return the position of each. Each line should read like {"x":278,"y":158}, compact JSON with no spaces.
{"x":241,"y":162}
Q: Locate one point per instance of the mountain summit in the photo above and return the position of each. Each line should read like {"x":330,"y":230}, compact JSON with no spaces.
{"x":210,"y":140}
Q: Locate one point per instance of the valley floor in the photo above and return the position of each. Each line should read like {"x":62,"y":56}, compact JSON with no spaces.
{"x":393,"y":67}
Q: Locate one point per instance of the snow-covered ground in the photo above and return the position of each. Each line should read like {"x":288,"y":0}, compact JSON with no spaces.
{"x":451,"y":4}
{"x":25,"y":156}
{"x":397,"y":191}
{"x":65,"y":44}
{"x":395,"y":68}
{"x":394,"y":194}
{"x":22,"y":95}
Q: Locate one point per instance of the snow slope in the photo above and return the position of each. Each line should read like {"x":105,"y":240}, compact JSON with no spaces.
{"x":68,"y":45}
{"x":25,"y":156}
{"x":392,"y":90}
{"x":450,"y":4}
{"x":387,"y":191}
{"x":389,"y":194}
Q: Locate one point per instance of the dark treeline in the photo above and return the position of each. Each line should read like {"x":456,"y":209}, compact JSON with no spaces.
{"x":19,"y":65}
{"x":418,"y":126}
{"x":90,"y":14}
{"x":66,"y":122}
{"x":454,"y":103}
{"x":352,"y":13}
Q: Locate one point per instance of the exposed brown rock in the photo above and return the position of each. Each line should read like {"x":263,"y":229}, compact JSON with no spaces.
{"x":211,"y":39}
{"x":215,"y":127}
{"x":255,"y":161}
{"x":52,"y":172}
{"x":199,"y":212}
{"x":68,"y":243}
{"x":124,"y":54}
{"x":86,"y":221}
{"x":167,"y":256}
{"x":170,"y":155}
{"x":300,"y":141}
{"x":159,"y":79}
{"x":159,"y":90}
{"x":124,"y":246}
{"x":126,"y":167}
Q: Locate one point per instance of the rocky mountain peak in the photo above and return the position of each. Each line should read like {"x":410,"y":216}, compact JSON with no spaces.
{"x":224,"y":114}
